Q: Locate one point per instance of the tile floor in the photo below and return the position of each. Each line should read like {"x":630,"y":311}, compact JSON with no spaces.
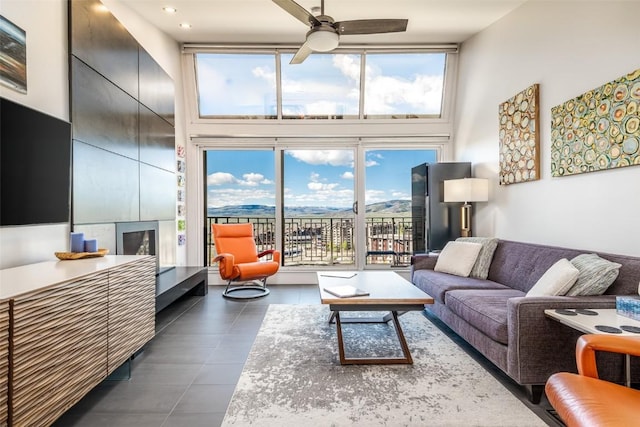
{"x":186,"y":375}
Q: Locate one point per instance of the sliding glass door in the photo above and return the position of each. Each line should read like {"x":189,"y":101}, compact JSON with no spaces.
{"x":331,"y":207}
{"x":241,"y":187}
{"x":388,"y":228}
{"x":318,"y":206}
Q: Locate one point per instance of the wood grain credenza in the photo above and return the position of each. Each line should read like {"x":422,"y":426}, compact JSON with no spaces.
{"x":65,"y":326}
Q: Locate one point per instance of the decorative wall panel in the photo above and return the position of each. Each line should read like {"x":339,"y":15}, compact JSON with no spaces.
{"x":519,"y":119}
{"x":122,"y":102}
{"x":156,"y":88}
{"x":597,"y":130}
{"x":157,"y":140}
{"x":157,"y":193}
{"x":103,"y":115}
{"x":98,"y":39}
{"x":106,"y":186}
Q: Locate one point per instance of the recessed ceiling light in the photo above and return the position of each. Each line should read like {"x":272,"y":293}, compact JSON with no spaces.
{"x":185,"y":26}
{"x":170,"y":9}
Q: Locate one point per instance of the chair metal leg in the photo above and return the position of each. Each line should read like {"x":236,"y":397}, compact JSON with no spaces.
{"x":238,"y":292}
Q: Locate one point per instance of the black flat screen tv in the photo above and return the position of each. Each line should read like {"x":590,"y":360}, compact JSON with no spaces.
{"x":35,"y":161}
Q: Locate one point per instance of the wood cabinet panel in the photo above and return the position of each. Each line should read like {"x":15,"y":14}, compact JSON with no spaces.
{"x":58,"y":348}
{"x":132,"y":304}
{"x":66,"y":326}
{"x":4,"y":362}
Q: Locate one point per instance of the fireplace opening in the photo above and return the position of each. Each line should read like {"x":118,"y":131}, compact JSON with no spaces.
{"x":139,"y":238}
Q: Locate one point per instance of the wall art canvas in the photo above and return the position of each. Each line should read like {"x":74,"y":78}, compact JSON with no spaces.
{"x":13,"y":56}
{"x":597,"y":130}
{"x":520,"y":137}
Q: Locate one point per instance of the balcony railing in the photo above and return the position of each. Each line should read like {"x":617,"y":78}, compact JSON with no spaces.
{"x":326,"y":241}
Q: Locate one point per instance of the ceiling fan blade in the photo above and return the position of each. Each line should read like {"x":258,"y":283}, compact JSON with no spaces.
{"x":298,"y":12}
{"x":371,"y":26}
{"x":301,"y":54}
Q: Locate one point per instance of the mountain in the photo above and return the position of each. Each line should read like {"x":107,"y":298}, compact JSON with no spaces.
{"x":387,"y":208}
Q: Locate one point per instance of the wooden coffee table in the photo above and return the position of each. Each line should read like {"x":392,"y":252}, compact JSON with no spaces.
{"x":387,"y":290}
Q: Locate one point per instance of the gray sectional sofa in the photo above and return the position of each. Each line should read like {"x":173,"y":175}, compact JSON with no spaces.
{"x":511,"y":329}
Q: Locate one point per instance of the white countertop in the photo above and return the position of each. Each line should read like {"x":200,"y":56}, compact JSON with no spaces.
{"x":27,"y":278}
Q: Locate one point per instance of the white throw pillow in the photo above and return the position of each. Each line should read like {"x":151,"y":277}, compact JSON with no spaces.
{"x":458,"y":258}
{"x":557,"y":280}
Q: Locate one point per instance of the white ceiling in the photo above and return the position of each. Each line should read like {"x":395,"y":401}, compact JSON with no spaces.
{"x":264,"y":22}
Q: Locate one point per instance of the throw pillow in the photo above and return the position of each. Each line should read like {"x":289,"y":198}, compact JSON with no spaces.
{"x":557,"y":280}
{"x":458,"y":258}
{"x":596,"y":275}
{"x":480,"y":269}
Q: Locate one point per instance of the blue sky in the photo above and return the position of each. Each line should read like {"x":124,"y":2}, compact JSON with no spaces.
{"x":311,"y":177}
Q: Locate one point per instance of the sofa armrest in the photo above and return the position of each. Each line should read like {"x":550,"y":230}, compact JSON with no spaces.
{"x":423,"y":262}
{"x":538,"y":345}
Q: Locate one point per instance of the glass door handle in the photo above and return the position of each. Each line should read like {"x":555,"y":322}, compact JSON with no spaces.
{"x":354,"y":208}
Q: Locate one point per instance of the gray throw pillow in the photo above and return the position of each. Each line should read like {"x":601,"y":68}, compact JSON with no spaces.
{"x":596,"y":275}
{"x":480,"y":269}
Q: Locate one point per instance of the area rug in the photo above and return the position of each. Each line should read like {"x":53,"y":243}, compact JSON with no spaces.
{"x":293,"y":377}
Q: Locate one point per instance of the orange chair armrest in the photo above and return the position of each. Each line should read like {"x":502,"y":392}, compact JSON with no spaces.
{"x":226,"y":262}
{"x":274,"y":253}
{"x":587,"y":346}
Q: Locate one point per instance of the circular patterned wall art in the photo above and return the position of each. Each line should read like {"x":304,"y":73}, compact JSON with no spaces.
{"x":519,"y":137}
{"x":597,"y":130}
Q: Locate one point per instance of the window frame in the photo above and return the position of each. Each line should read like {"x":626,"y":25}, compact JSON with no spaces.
{"x":191,"y":96}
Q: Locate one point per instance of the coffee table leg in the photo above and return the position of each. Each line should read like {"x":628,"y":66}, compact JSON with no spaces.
{"x":407,"y":359}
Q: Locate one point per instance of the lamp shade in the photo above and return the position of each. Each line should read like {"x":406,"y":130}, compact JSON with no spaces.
{"x":321,"y":40}
{"x":466,"y":190}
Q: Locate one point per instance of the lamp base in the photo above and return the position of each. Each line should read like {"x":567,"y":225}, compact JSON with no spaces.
{"x":465,"y":220}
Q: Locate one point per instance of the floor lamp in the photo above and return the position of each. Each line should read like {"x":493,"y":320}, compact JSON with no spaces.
{"x":466,"y":190}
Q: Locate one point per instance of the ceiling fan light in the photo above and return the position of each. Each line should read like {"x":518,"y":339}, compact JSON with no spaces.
{"x":322,"y":41}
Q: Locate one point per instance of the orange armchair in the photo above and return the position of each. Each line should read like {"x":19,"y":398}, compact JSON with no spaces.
{"x":585,"y":400}
{"x":238,"y":260}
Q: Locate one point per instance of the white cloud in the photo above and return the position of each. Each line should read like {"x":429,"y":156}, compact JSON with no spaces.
{"x":266,"y":74}
{"x":319,"y":186}
{"x":323,"y":157}
{"x":385,"y":93}
{"x":400,"y":195}
{"x":250,"y":179}
{"x":221,"y":178}
{"x":347,"y":175}
{"x":253,"y":179}
{"x":371,"y":163}
{"x":239,"y":196}
{"x":374,"y":196}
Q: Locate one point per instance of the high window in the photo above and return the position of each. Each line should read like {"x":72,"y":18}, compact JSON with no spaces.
{"x":350,"y":85}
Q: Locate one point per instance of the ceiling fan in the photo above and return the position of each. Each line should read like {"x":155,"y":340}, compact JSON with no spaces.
{"x":324,"y":35}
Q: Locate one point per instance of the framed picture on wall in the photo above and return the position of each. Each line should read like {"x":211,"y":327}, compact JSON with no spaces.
{"x":519,"y":134}
{"x":13,"y":56}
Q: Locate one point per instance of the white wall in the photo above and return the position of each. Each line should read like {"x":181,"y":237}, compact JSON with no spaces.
{"x":567,"y":47}
{"x":45,"y":23}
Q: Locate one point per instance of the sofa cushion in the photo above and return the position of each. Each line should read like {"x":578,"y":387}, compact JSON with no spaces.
{"x":436,"y":284}
{"x":480,"y":269}
{"x":458,"y":258}
{"x":557,"y":280}
{"x":595,"y":275}
{"x":485,"y":309}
